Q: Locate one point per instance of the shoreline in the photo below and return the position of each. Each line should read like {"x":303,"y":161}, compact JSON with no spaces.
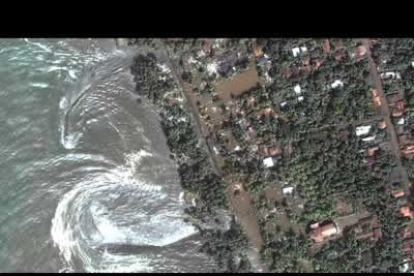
{"x":197,"y":175}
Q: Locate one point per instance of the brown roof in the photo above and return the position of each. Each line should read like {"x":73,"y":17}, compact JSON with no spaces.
{"x":306,"y":61}
{"x":326,"y":46}
{"x":251,"y":101}
{"x":406,"y":211}
{"x":339,"y":44}
{"x":382,"y":124}
{"x":398,"y":193}
{"x":400,"y":105}
{"x":206,"y":46}
{"x":376,"y":97}
{"x":360,"y":51}
{"x":317,"y":63}
{"x":275,"y":151}
{"x":339,"y":56}
{"x":258,"y":52}
{"x":286,"y":72}
{"x":395,"y":97}
{"x":371,"y":151}
{"x":397,"y":113}
{"x":403,"y":139}
{"x":322,"y":232}
{"x":405,"y":233}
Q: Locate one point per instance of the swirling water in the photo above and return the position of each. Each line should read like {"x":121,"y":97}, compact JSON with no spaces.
{"x":86,"y":183}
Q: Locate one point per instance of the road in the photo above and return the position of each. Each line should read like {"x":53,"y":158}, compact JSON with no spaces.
{"x":385,"y":114}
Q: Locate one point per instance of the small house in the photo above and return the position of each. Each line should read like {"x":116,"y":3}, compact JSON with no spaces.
{"x":287,"y":190}
{"x":268,"y":162}
{"x":337,"y":83}
{"x":362,"y":130}
{"x":406,"y":211}
{"x":326,"y":46}
{"x":369,"y":139}
{"x":321,"y":232}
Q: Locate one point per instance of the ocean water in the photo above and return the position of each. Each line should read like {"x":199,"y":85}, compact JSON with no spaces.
{"x":86,"y":183}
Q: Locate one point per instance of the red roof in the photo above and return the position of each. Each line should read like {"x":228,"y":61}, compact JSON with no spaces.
{"x":400,"y":105}
{"x":326,"y":46}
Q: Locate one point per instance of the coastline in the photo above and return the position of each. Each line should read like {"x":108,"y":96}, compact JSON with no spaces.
{"x":209,"y":207}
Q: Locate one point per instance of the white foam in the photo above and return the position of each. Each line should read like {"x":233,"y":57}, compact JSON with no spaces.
{"x":39,"y":84}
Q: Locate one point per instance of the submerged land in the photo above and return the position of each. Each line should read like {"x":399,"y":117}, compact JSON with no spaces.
{"x":306,"y":144}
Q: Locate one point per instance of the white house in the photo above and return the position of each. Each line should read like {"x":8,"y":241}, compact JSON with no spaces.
{"x":268,"y":162}
{"x":300,"y":98}
{"x":297,"y":89}
{"x":337,"y":83}
{"x":369,"y":139}
{"x":390,"y":75}
{"x":283,"y":104}
{"x":362,"y":130}
{"x":287,"y":190}
{"x":295,"y":51}
{"x":401,"y":121}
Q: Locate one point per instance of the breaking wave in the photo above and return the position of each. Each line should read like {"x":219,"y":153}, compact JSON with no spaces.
{"x":117,"y":205}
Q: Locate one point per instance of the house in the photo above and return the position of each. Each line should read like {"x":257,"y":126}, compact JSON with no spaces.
{"x":206,"y":46}
{"x":406,"y":211}
{"x":400,"y":105}
{"x":286,"y":72}
{"x":323,"y":231}
{"x":395,"y":97}
{"x":268,"y":162}
{"x":403,"y":139}
{"x":376,"y":97}
{"x":326,"y":46}
{"x":300,"y":98}
{"x":275,"y":151}
{"x":400,"y":121}
{"x":339,"y":56}
{"x":360,"y":52}
{"x":306,"y":61}
{"x":397,"y":113}
{"x":297,"y":89}
{"x":362,"y":130}
{"x":295,"y":51}
{"x":371,"y":151}
{"x":337,"y":84}
{"x":382,"y":124}
{"x":258,"y":52}
{"x":390,"y":75}
{"x":369,"y":139}
{"x":405,"y":232}
{"x":408,"y":150}
{"x":408,"y":245}
{"x":398,"y":193}
{"x":287,"y":190}
{"x":370,"y":160}
{"x":339,"y":44}
{"x":317,"y":63}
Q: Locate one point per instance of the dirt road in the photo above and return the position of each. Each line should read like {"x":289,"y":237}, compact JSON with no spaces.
{"x":385,"y":114}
